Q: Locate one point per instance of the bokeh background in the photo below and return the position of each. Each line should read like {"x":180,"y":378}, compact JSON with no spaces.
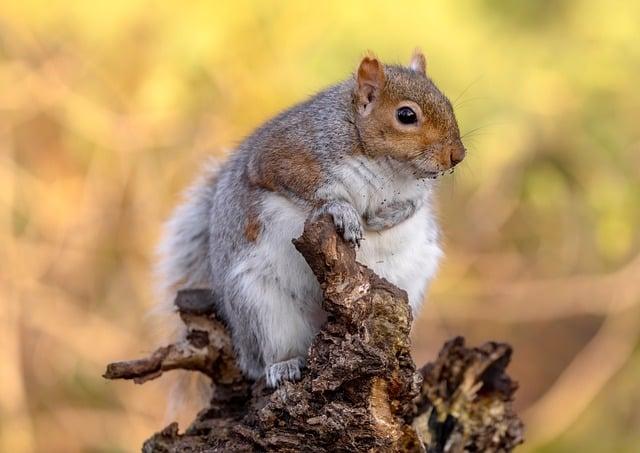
{"x":108,"y":109}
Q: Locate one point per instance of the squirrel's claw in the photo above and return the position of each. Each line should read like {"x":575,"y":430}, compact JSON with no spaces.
{"x":352,"y":233}
{"x":287,"y":370}
{"x":346,"y":219}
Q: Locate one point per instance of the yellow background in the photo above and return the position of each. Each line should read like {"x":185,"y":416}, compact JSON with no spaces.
{"x":107,"y":109}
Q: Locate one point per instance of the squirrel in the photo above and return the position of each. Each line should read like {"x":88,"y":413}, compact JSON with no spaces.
{"x":367,"y":151}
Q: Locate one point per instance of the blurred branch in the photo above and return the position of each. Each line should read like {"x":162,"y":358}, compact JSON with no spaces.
{"x":557,"y":298}
{"x":586,"y":376}
{"x":14,"y":407}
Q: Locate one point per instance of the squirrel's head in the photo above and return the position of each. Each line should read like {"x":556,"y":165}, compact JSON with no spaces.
{"x":401,"y":113}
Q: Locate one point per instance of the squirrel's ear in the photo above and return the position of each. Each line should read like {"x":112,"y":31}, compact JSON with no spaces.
{"x":418,"y":62}
{"x":370,"y":79}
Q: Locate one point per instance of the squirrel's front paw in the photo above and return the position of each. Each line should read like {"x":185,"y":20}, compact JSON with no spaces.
{"x":390,"y":215}
{"x":346,"y":219}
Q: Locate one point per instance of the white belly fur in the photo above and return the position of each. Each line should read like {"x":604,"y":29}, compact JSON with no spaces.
{"x":407,"y":255}
{"x":275,"y":279}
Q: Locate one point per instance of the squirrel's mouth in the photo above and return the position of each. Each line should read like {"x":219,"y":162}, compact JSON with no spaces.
{"x":421,"y":168}
{"x":431,"y":174}
{"x":428,"y":174}
{"x":421,"y":173}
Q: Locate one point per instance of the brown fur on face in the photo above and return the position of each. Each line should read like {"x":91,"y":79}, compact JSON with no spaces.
{"x":431,"y":145}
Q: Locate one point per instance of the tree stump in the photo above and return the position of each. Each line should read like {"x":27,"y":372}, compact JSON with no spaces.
{"x":360,"y":391}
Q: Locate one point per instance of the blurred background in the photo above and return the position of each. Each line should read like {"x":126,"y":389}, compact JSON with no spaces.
{"x":108,"y":109}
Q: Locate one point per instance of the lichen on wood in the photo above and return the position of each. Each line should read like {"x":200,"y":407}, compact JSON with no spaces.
{"x":360,"y":391}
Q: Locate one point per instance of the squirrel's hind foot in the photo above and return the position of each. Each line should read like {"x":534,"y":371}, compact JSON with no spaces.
{"x":287,"y":370}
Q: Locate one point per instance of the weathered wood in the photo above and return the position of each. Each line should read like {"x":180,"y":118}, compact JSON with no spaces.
{"x":360,"y":391}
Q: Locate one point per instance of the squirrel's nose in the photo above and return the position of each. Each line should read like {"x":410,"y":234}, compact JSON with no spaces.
{"x":456,"y":153}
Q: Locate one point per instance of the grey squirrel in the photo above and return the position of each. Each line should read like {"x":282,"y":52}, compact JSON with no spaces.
{"x":366,"y":151}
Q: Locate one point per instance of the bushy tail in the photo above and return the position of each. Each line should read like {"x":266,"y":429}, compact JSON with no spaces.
{"x":182,"y":255}
{"x":182,"y":262}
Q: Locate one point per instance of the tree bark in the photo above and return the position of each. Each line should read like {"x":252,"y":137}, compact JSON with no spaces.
{"x":361,"y":390}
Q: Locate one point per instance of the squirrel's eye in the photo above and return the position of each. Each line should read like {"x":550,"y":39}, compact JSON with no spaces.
{"x":406,"y":115}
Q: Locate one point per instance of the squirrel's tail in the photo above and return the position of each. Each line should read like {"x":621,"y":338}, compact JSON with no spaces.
{"x":182,"y":263}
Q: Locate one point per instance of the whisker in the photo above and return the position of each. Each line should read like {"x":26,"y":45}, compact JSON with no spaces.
{"x":474,"y":132}
{"x":464,"y":102}
{"x":465,"y":90}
